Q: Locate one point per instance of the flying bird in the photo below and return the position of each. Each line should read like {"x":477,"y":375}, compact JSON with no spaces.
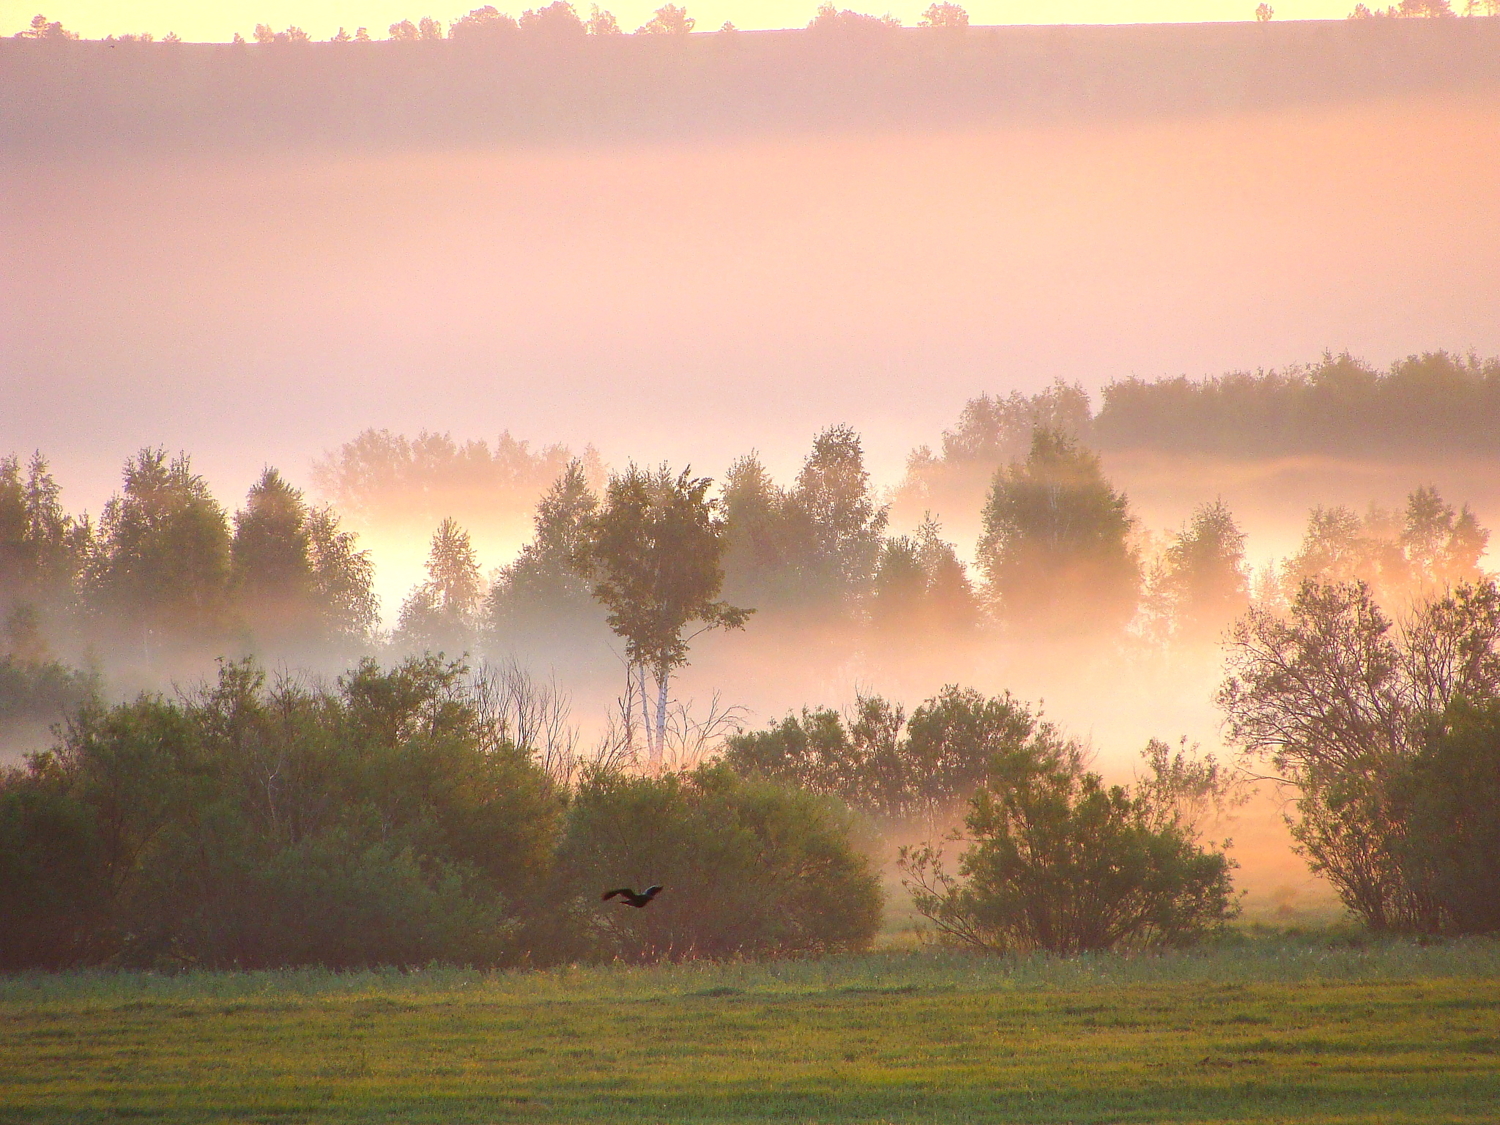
{"x":630,"y":898}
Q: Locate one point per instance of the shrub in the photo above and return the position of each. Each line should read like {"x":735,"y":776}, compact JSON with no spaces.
{"x":751,"y":868}
{"x":378,"y":821}
{"x":1448,"y":799}
{"x":883,"y":764}
{"x":1060,"y":862}
{"x":41,"y":691}
{"x":52,"y":876}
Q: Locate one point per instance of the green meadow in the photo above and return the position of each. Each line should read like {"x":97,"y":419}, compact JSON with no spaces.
{"x":1272,"y":1030}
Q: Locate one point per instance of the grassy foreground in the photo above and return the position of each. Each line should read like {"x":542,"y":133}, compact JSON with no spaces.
{"x":1271,"y":1032}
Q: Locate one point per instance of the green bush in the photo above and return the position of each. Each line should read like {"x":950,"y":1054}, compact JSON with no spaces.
{"x":1060,"y":862}
{"x":751,"y":868}
{"x":1448,"y":799}
{"x":881,"y":762}
{"x":376,"y":822}
{"x":53,"y":881}
{"x":41,"y":691}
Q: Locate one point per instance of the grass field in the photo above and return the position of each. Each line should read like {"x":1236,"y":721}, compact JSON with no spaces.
{"x":1271,"y":1031}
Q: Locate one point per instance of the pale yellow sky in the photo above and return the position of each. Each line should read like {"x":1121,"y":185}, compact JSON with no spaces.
{"x":198,"y":21}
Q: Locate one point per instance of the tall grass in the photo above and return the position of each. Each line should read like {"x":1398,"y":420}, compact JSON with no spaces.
{"x":1253,"y":958}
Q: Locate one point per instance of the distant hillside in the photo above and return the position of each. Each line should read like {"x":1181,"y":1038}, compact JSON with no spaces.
{"x":90,"y":95}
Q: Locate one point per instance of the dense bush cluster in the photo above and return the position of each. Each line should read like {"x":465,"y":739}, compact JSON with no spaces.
{"x":755,"y":867}
{"x":252,"y":825}
{"x":392,"y":819}
{"x":1054,"y":859}
{"x":881,"y":762}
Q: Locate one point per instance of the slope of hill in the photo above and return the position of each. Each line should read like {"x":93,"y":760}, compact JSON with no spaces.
{"x":63,"y":95}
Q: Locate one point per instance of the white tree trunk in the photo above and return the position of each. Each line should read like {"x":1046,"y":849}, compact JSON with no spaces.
{"x":662,"y":680}
{"x":653,"y":750}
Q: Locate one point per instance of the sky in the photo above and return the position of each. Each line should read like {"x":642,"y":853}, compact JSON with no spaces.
{"x":693,"y":301}
{"x":217,"y":22}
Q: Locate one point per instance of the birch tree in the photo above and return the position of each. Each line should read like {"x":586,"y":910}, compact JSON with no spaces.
{"x":654,"y":552}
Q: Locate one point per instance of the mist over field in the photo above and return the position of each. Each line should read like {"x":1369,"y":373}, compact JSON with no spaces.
{"x":194,"y":263}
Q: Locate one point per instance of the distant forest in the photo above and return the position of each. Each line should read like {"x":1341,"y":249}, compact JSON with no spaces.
{"x":1438,"y":403}
{"x":1434,"y":405}
{"x":551,"y":79}
{"x":166,"y":571}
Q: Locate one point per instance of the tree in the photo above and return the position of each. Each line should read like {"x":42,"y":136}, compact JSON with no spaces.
{"x":300,"y":579}
{"x":669,"y":19}
{"x":1264,"y":13}
{"x":654,"y":552}
{"x":382,"y":475}
{"x":1431,"y":402}
{"x":36,"y":692}
{"x":900,"y":586}
{"x":543,"y":591}
{"x":1418,"y":553}
{"x":486,"y":23}
{"x":763,"y":536}
{"x":1339,"y":546}
{"x":829,"y":20}
{"x":951,"y":602}
{"x":266,"y":36}
{"x":1201,"y":584}
{"x":404,"y":32}
{"x":557,"y":21}
{"x":845,"y":525}
{"x":1340,"y":703}
{"x":162,"y":567}
{"x":41,"y":548}
{"x":270,"y":557}
{"x":343,"y":581}
{"x":1448,"y":799}
{"x":920,"y":584}
{"x":816,"y":544}
{"x":1059,"y":861}
{"x":1054,"y":547}
{"x":856,"y":758}
{"x":439,"y":615}
{"x":1441,"y":546}
{"x":601,"y":23}
{"x":989,"y":434}
{"x":40,"y":28}
{"x":945,"y":15}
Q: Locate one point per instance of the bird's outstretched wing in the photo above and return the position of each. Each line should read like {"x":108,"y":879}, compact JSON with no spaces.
{"x":607,"y":895}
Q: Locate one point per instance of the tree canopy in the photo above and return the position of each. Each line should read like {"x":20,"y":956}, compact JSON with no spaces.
{"x":1055,"y":546}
